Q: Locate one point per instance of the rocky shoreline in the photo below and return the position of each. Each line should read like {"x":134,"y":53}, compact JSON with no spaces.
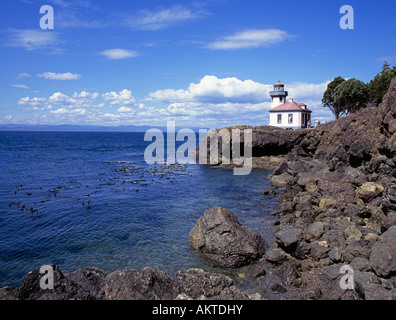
{"x":337,"y":207}
{"x":337,"y":202}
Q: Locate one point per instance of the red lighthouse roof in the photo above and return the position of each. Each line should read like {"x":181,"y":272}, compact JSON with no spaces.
{"x":279,"y":84}
{"x":290,"y":106}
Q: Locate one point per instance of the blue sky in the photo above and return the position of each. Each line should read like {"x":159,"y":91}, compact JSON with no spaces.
{"x":199,"y":63}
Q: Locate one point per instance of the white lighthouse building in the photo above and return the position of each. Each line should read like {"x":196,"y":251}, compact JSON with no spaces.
{"x":287,"y":113}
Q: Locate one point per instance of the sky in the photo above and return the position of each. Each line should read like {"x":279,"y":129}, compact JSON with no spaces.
{"x":207,"y":63}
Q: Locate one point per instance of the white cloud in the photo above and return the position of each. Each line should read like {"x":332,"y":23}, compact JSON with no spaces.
{"x":214,"y":90}
{"x":59,"y":111}
{"x":59,"y":76}
{"x":125,"y":110}
{"x":32,"y":102}
{"x":162,"y":18}
{"x":23,"y":75}
{"x":123,"y":97}
{"x":251,"y":38}
{"x":22,"y":86}
{"x":116,"y":54}
{"x":211,"y":102}
{"x":33,"y":39}
{"x":232,"y":101}
{"x":301,"y":90}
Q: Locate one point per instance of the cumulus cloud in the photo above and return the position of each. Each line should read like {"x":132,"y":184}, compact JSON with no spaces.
{"x":251,"y":38}
{"x":59,"y":76}
{"x":233,"y":101}
{"x":125,"y":110}
{"x":117,"y":54}
{"x":211,"y":102}
{"x":123,"y":97}
{"x":211,"y":89}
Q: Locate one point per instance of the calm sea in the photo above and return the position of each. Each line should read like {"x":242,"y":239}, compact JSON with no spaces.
{"x":78,"y":199}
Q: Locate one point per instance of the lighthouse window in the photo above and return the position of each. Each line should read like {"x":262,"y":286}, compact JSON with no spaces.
{"x":279,"y":118}
{"x":290,"y":118}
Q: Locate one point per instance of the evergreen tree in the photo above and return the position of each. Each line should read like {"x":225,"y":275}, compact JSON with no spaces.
{"x":328,"y":98}
{"x":352,"y":94}
{"x":380,"y":84}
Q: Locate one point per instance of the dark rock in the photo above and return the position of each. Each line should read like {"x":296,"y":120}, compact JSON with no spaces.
{"x":222,"y":239}
{"x":9,"y":293}
{"x":360,"y":248}
{"x":389,"y":223}
{"x":196,"y":283}
{"x":275,"y":256}
{"x":302,"y":250}
{"x":288,"y":273}
{"x":358,"y":210}
{"x":369,"y":287}
{"x":149,"y":284}
{"x":289,"y":237}
{"x":383,"y":254}
{"x":90,"y":279}
{"x":360,"y":264}
{"x":335,"y":254}
{"x":315,"y":230}
{"x":278,"y":288}
{"x":281,"y":169}
{"x":318,"y":251}
{"x":282,"y":180}
{"x":64,"y":288}
{"x":389,"y":198}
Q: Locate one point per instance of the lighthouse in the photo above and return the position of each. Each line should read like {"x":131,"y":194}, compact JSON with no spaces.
{"x":287,"y":114}
{"x":279,"y":95}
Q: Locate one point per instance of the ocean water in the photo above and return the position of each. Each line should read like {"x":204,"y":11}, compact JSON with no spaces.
{"x":83,"y":199}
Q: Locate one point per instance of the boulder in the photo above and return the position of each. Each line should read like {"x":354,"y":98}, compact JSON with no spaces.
{"x":64,"y":288}
{"x":90,"y":279}
{"x":315,"y":230}
{"x":196,"y":283}
{"x":389,"y":198}
{"x":369,"y":287}
{"x":222,"y":239}
{"x":289,"y":237}
{"x":9,"y":293}
{"x":383,"y":254}
{"x":149,"y":284}
{"x":275,"y":256}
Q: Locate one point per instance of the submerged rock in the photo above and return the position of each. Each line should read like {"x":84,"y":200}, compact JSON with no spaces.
{"x":222,"y":239}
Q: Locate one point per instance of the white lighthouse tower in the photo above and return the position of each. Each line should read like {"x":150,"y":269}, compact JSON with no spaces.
{"x":279,"y":95}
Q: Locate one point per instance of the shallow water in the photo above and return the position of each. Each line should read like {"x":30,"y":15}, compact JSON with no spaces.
{"x":89,"y":199}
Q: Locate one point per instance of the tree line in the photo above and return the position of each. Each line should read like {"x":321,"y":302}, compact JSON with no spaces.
{"x":344,"y":97}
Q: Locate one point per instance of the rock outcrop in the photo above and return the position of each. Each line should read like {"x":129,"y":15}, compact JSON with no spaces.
{"x":222,"y":239}
{"x":149,"y":284}
{"x":337,"y":202}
